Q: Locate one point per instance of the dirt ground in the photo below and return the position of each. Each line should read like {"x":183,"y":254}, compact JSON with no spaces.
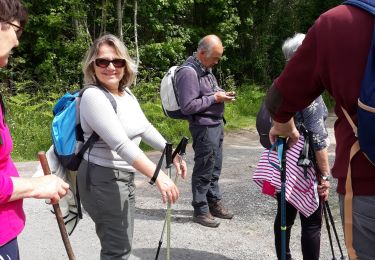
{"x":249,"y":235}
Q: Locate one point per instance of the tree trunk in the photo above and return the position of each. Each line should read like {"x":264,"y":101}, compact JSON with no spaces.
{"x":136,"y":36}
{"x":123,"y":7}
{"x":119,"y":20}
{"x":80,"y":24}
{"x":103,"y":25}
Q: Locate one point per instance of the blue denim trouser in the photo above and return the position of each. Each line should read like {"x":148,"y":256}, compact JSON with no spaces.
{"x":208,"y":158}
{"x":9,"y":251}
{"x":110,"y":202}
{"x":363,"y":225}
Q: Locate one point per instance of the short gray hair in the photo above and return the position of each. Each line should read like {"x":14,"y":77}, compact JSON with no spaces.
{"x":291,"y":45}
{"x":130,"y":69}
{"x":207,"y":43}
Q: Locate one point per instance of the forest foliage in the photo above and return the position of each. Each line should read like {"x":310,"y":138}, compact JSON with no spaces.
{"x":59,"y":32}
{"x":160,"y":33}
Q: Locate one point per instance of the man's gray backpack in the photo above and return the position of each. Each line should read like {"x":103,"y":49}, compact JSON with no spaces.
{"x":169,"y":92}
{"x":169,"y":95}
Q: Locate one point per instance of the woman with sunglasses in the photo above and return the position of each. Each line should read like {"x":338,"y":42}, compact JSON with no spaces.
{"x":106,"y":174}
{"x":304,"y":192}
{"x":13,"y":188}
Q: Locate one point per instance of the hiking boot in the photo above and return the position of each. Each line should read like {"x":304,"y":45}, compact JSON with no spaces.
{"x":206,"y":220}
{"x":217,"y":209}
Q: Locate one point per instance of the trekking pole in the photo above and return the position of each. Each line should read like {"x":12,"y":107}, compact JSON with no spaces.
{"x":56,"y":208}
{"x":334,"y":228}
{"x":281,"y":149}
{"x":181,"y":150}
{"x":168,"y":161}
{"x":328,"y":230}
{"x":326,"y":207}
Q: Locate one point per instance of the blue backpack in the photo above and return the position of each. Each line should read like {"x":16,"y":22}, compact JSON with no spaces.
{"x":365,"y":128}
{"x":67,"y":133}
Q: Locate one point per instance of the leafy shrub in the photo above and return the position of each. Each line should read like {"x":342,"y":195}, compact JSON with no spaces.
{"x":29,"y":119}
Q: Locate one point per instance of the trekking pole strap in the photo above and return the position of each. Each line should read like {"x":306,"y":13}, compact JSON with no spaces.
{"x":158,"y":167}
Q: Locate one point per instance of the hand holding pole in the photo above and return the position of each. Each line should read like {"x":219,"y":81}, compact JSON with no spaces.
{"x":56,"y":208}
{"x":181,"y":150}
{"x":281,"y":148}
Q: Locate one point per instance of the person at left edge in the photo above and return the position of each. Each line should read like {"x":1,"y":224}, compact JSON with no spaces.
{"x":13,"y":188}
{"x":106,"y":174}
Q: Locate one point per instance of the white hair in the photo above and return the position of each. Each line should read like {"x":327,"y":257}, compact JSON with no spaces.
{"x":291,"y":45}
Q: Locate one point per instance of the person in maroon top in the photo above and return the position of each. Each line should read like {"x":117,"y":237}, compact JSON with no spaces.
{"x":333,"y":57}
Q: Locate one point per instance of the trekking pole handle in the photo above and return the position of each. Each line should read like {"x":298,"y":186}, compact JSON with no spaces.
{"x":56,"y":208}
{"x":184,"y":142}
{"x":181,"y":147}
{"x":168,"y":155}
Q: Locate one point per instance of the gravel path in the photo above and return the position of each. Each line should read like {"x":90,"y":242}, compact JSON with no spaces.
{"x":249,"y":235}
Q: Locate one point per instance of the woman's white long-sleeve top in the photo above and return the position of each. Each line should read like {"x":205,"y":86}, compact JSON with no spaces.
{"x":120,"y":133}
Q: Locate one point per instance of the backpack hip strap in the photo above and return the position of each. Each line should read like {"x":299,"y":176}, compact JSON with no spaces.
{"x":348,"y":206}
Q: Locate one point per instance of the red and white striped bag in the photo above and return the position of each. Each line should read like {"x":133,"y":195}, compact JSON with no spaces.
{"x":301,"y":192}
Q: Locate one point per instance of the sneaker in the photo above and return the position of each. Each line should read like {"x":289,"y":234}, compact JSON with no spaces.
{"x":217,"y":209}
{"x":206,"y":220}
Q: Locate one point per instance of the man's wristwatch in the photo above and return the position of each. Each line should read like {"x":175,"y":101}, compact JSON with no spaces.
{"x":325,"y":177}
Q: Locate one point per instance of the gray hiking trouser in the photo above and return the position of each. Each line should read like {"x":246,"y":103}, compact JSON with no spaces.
{"x":208,"y":159}
{"x":110,"y":202}
{"x":363,"y":225}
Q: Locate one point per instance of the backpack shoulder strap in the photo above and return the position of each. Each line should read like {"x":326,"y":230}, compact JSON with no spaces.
{"x":348,"y":205}
{"x":354,"y":127}
{"x":368,"y":6}
{"x":127,"y":90}
{"x":106,"y":93}
{"x":94,"y":137}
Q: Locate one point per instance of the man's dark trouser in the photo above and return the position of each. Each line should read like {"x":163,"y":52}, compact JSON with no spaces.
{"x":311,"y":227}
{"x":363,"y":225}
{"x":110,"y":203}
{"x":208,"y":158}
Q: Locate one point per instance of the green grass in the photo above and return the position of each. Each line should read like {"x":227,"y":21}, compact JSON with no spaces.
{"x":239,"y":114}
{"x":29,"y":119}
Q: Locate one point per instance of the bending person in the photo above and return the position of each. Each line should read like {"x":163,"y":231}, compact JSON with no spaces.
{"x":322,"y":63}
{"x":106,"y":175}
{"x":302,"y":185}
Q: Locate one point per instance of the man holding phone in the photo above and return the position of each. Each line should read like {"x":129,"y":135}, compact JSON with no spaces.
{"x":202,"y":100}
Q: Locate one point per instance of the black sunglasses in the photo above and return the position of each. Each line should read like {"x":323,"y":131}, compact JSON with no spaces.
{"x":17,"y":29}
{"x":104,"y":63}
